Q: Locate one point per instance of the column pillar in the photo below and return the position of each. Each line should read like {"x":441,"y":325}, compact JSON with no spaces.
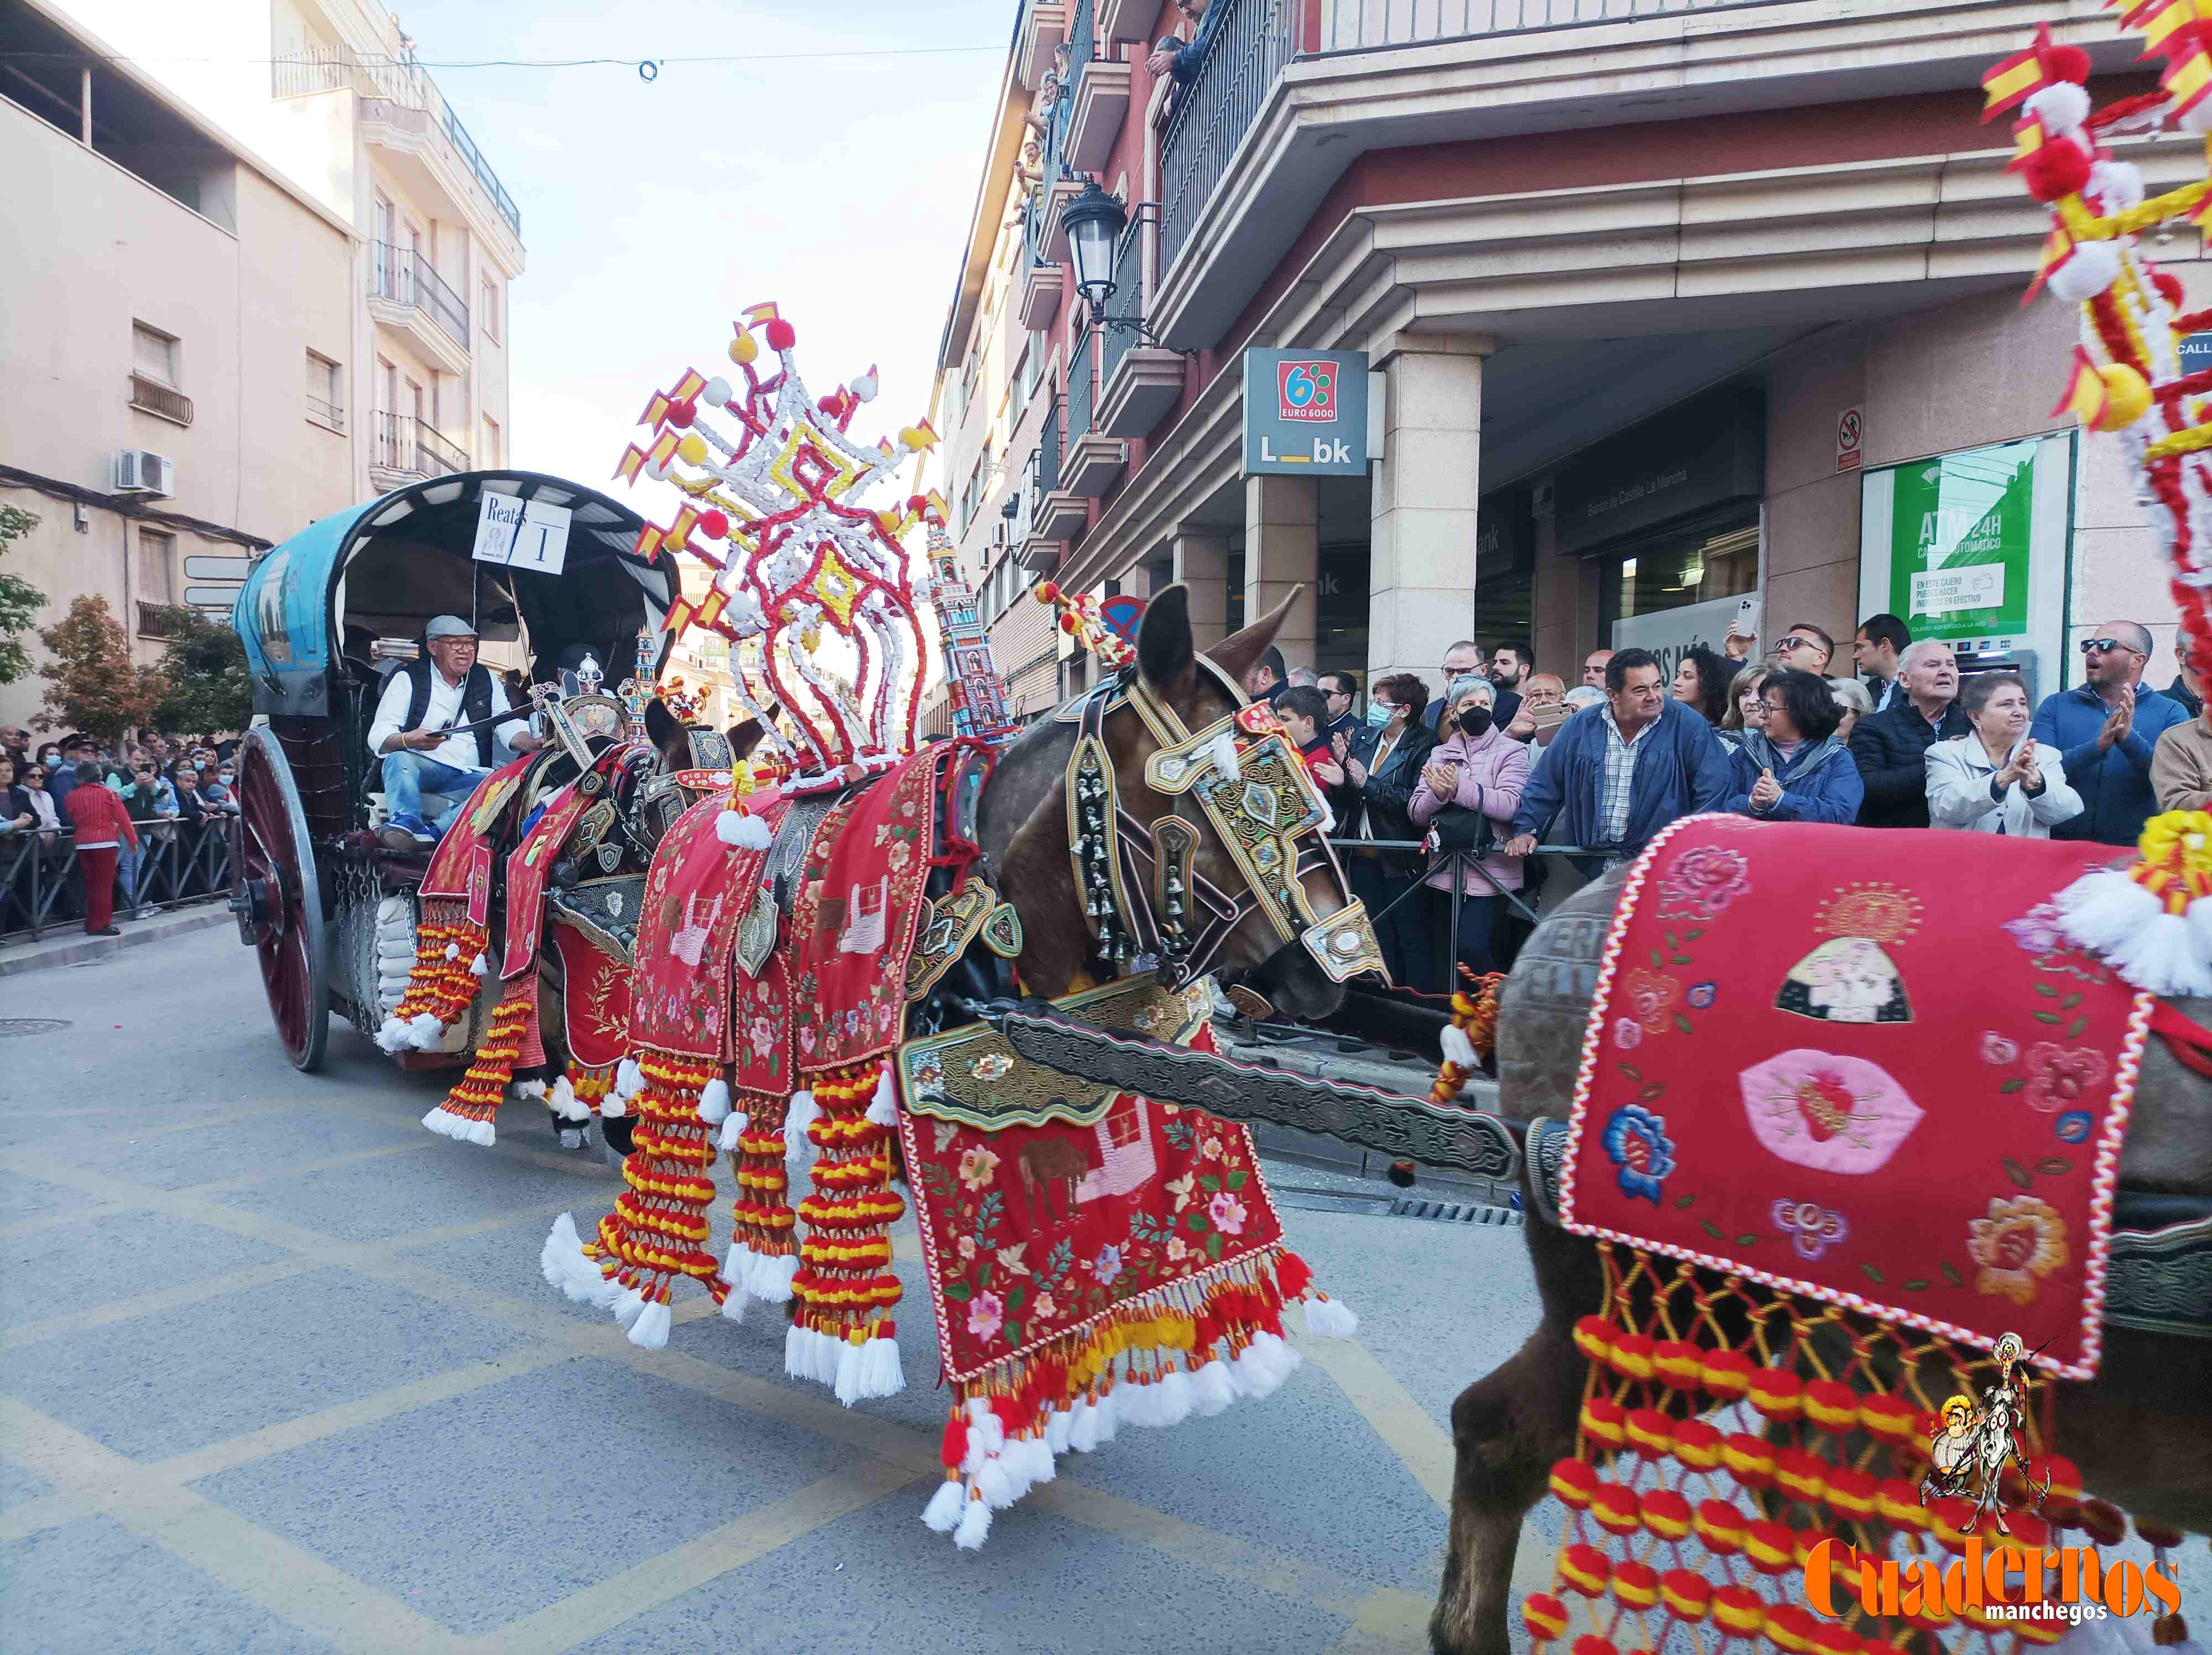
{"x":1421,"y":567}
{"x":1282,"y":557}
{"x":1201,"y":562}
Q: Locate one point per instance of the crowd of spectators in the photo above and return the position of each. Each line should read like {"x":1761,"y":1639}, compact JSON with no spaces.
{"x":110,"y":805}
{"x":1508,"y":761}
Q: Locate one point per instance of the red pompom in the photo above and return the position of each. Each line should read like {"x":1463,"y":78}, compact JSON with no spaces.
{"x":716,"y":524}
{"x":954,"y":1448}
{"x":683,"y":413}
{"x":1047,"y":592}
{"x":2169,"y":288}
{"x":2066,"y":64}
{"x":781,"y":336}
{"x":1293,"y":1274}
{"x":2059,"y":168}
{"x":1068,"y":621}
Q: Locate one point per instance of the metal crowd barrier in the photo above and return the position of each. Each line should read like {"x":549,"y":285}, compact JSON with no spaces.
{"x":42,"y":885}
{"x":1560,"y":880}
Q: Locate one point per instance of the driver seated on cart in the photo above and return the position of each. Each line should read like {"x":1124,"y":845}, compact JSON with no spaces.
{"x":421,"y":732}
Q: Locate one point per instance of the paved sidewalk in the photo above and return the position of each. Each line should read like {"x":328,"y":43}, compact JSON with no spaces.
{"x":279,"y":1373}
{"x":66,"y":944}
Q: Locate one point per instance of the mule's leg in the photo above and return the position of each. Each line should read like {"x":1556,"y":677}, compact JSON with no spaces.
{"x":1507,"y":1429}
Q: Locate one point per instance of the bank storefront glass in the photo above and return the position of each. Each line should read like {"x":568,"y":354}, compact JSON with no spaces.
{"x":1504,"y":568}
{"x":1669,"y":511}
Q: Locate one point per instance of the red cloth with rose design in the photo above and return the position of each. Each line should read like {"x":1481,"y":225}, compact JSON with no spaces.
{"x":683,"y":964}
{"x":1904,"y":1093}
{"x":1030,"y":1235}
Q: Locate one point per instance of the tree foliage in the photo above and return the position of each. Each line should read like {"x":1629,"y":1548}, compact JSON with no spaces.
{"x":20,"y":601}
{"x":205,"y":665}
{"x":91,"y":683}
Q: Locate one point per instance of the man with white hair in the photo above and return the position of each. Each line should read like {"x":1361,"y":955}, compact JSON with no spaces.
{"x":433,"y":730}
{"x":1891,"y":747}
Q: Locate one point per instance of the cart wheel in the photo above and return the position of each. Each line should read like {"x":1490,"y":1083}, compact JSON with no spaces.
{"x":277,"y":897}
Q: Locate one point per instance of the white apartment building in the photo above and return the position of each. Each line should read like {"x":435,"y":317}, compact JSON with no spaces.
{"x":272,"y":255}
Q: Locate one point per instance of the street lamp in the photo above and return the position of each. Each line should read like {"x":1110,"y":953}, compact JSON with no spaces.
{"x":1094,"y":222}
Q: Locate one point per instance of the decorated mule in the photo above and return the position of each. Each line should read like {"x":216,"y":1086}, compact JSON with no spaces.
{"x":1869,"y":1175}
{"x":821,"y":953}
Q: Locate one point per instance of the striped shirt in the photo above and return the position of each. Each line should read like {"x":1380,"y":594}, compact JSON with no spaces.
{"x":1619,"y":782}
{"x":99,"y":818}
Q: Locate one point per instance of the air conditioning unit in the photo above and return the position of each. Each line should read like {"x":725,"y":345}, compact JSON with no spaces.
{"x":1001,"y":533}
{"x":140,"y":470}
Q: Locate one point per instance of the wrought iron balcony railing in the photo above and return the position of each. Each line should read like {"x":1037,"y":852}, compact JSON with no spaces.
{"x":156,"y":398}
{"x":405,"y":276}
{"x":414,"y":447}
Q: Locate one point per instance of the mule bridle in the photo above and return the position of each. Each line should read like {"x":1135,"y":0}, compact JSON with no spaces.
{"x":1138,"y":885}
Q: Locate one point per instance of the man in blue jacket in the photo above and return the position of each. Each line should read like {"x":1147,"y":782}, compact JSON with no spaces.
{"x":1613,"y":777}
{"x":2105,"y":729}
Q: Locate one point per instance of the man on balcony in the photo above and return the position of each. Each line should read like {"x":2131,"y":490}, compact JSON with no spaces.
{"x":433,"y":729}
{"x":1183,"y":59}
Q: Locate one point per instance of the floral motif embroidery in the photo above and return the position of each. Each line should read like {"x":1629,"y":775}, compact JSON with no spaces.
{"x":1831,"y":1113}
{"x":2057,"y":1076}
{"x":2037,"y":931}
{"x":1995,"y":1049}
{"x":2073,"y":1127}
{"x":1811,"y":1227}
{"x":1627,"y":1034}
{"x":1650,"y":998}
{"x":1702,"y":996}
{"x":1227,"y":1213}
{"x":1637,"y":1142}
{"x":987,"y":1312}
{"x":1107,"y":1265}
{"x":2019,"y":1243}
{"x":1702,"y":881}
{"x":976,"y":1166}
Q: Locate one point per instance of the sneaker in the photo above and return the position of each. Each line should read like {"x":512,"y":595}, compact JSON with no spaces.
{"x":408,"y":833}
{"x":111,"y":931}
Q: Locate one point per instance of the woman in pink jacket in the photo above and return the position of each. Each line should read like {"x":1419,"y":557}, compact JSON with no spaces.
{"x":1480,"y":769}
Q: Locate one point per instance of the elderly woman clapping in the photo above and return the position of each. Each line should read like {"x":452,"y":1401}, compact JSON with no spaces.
{"x":1479,"y":768}
{"x":1997,"y":779}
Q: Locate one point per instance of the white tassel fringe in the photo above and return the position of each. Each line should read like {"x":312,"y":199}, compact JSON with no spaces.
{"x":943,"y":1512}
{"x":714,"y":1102}
{"x":1330,"y":1318}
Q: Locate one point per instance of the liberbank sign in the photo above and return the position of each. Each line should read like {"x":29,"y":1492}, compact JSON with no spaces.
{"x":1307,"y":413}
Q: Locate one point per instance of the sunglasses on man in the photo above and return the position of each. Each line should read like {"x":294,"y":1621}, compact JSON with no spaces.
{"x":2105,"y":645}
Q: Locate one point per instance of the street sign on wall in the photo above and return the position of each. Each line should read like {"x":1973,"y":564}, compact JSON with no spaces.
{"x":198,"y":567}
{"x":1305,"y":413}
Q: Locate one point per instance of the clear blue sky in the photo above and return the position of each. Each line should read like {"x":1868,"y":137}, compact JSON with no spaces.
{"x":838,"y":186}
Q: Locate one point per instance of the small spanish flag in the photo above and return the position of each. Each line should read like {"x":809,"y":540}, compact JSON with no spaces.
{"x":2057,"y":248}
{"x":711,"y":608}
{"x":664,"y":448}
{"x":2188,"y":76}
{"x":760,"y":313}
{"x":2015,"y":78}
{"x":680,"y":614}
{"x":656,"y":410}
{"x":2087,"y":397}
{"x":2027,"y":139}
{"x":649,"y":542}
{"x":679,"y":531}
{"x":2158,"y":19}
{"x":2135,"y":11}
{"x":688,"y":387}
{"x":633,"y":462}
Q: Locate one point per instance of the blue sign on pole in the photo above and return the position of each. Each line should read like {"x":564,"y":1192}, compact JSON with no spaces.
{"x":2196,"y":352}
{"x":1305,"y":413}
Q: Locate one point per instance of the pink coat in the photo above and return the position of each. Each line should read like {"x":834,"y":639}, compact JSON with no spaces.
{"x":1492,"y":770}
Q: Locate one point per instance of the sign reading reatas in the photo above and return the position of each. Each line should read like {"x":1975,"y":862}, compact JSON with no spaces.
{"x":1305,"y":413}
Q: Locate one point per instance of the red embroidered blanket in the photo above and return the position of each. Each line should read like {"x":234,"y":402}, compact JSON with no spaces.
{"x":595,"y":999}
{"x":464,"y":847}
{"x":1865,"y":1067}
{"x":852,"y":925}
{"x":699,"y":889}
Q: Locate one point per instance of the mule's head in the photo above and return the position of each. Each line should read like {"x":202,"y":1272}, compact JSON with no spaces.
{"x":1258,"y":818}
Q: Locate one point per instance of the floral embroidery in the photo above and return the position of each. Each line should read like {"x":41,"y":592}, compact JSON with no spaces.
{"x":1107,"y":1265}
{"x":1010,"y":1259}
{"x":1831,"y":1113}
{"x":1811,"y":1227}
{"x":2074,"y":1126}
{"x":1044,"y":1309}
{"x":2057,"y":1076}
{"x":1995,"y":1049}
{"x":1181,"y":1189}
{"x":976,"y":1166}
{"x":1637,"y":1142}
{"x":1702,"y":994}
{"x":986,"y":1313}
{"x":966,"y":1246}
{"x":1178,"y":1249}
{"x":1627,"y":1034}
{"x":1227,"y":1213}
{"x":763,"y":1033}
{"x":1650,"y":998}
{"x":1702,"y":881}
{"x":2038,"y":931}
{"x":2019,"y":1243}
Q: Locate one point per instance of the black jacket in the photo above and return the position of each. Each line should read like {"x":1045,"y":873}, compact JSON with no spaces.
{"x":2180,"y":691}
{"x":1386,"y":795}
{"x":1891,"y":751}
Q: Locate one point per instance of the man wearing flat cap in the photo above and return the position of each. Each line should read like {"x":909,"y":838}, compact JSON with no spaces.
{"x":433,"y":730}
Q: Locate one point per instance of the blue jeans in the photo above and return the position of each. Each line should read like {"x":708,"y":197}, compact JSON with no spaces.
{"x":408,"y":776}
{"x":126,"y":876}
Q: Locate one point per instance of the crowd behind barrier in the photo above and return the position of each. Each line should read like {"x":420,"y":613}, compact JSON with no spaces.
{"x":42,"y":884}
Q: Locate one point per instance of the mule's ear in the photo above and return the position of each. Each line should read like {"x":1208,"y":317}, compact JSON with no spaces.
{"x":1235,"y":655}
{"x":660,"y":725}
{"x":1165,"y":655}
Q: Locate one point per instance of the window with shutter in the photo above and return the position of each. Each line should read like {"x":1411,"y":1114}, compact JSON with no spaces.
{"x":156,"y":568}
{"x":154,"y":353}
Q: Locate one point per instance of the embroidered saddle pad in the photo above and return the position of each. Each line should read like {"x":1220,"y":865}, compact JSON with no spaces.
{"x":1863,"y":1067}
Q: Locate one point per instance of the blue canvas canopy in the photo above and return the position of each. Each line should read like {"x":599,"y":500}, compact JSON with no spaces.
{"x":385,"y":568}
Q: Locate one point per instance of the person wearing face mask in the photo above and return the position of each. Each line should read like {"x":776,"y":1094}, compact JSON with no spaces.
{"x":1384,"y":781}
{"x":1998,"y":779}
{"x":1482,"y":770}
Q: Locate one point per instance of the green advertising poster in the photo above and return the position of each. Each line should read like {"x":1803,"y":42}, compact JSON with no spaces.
{"x":1959,"y":533}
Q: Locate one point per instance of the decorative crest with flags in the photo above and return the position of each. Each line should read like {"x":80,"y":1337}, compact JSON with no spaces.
{"x":773,"y":485}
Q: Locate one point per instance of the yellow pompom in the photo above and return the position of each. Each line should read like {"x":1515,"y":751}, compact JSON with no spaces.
{"x":743,"y":348}
{"x":2127,"y":397}
{"x":692,"y":451}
